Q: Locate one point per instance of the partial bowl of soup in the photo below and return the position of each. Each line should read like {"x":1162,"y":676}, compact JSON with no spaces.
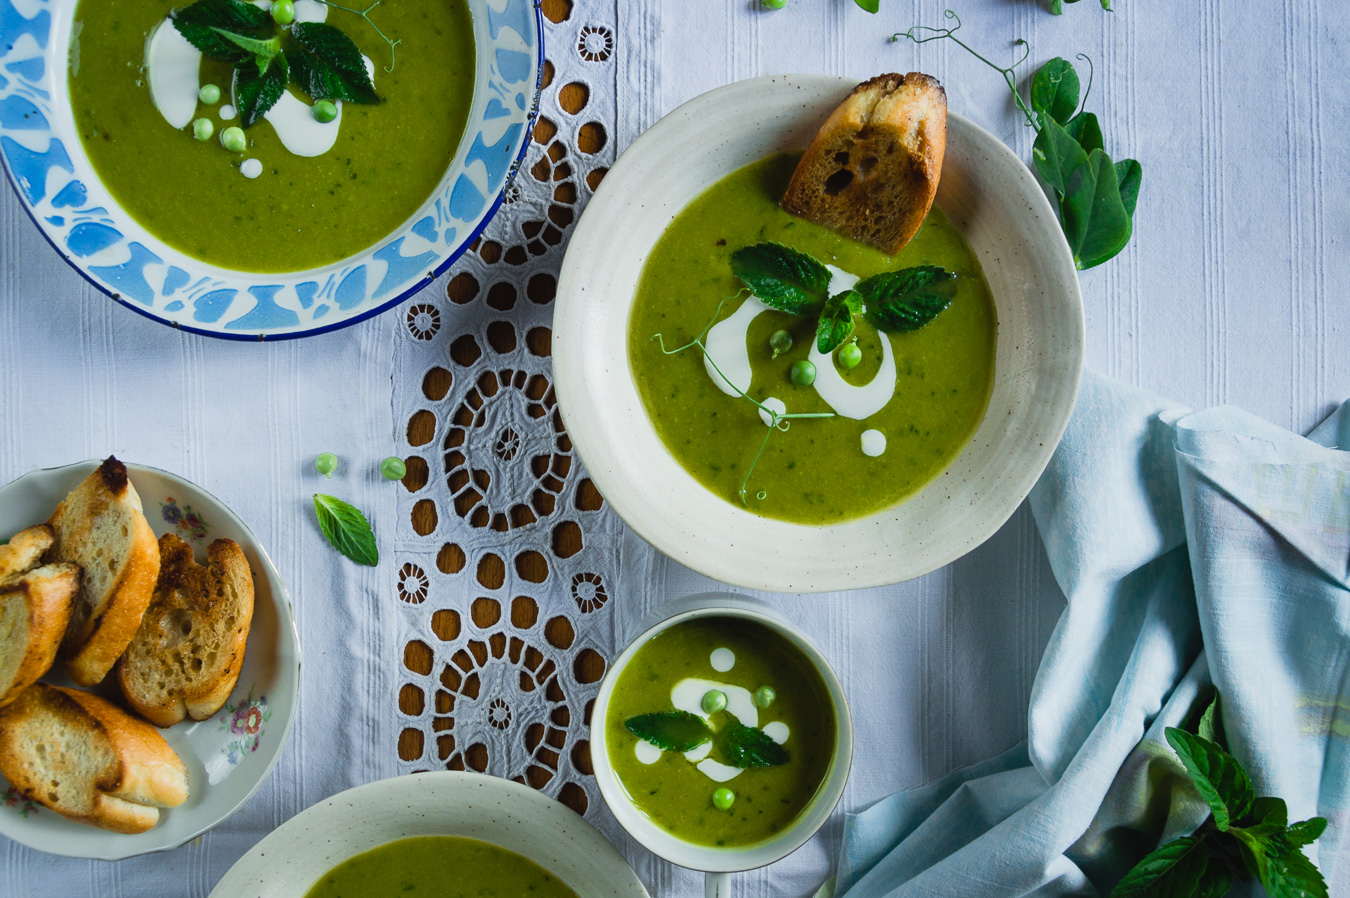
{"x":684,"y":392}
{"x":265,"y":169}
{"x":721,"y":737}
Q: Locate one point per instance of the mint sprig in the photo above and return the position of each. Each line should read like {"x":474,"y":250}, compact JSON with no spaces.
{"x":1247,"y":835}
{"x":836,"y":320}
{"x":328,"y":66}
{"x":346,"y":529}
{"x":743,"y":746}
{"x":737,"y":744}
{"x":782,"y":277}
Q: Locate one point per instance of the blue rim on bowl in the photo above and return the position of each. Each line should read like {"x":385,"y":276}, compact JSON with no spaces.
{"x":45,"y":162}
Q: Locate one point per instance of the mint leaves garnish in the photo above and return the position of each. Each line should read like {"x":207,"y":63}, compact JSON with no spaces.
{"x":346,"y":529}
{"x":323,"y":61}
{"x":899,"y":302}
{"x":739,"y":745}
{"x":1247,"y":835}
{"x":744,"y":746}
{"x":836,"y":320}
{"x":782,"y":277}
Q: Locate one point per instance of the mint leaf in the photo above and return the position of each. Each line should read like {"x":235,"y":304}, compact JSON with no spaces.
{"x":1054,"y":90}
{"x":202,"y":23}
{"x":263,"y":49}
{"x":782,"y":277}
{"x":328,"y":66}
{"x":744,"y":746}
{"x":836,"y":320}
{"x":1280,"y":865}
{"x":1217,"y":775}
{"x":1169,"y":870}
{"x":1211,"y":723}
{"x":1272,"y":813}
{"x":1305,"y":832}
{"x":898,"y":302}
{"x":257,"y":89}
{"x":1216,"y":880}
{"x":346,"y":529}
{"x":670,"y":730}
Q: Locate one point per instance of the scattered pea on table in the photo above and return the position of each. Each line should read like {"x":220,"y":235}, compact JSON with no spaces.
{"x":393,"y":468}
{"x":325,"y":463}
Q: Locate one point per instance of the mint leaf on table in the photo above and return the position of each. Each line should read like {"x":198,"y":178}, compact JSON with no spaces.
{"x":898,"y":302}
{"x":202,"y":24}
{"x":1173,"y":869}
{"x":670,"y":730}
{"x":1217,"y":775}
{"x":257,"y":88}
{"x":836,"y":320}
{"x":328,"y":65}
{"x":1054,"y":90}
{"x":782,"y":277}
{"x":346,"y":529}
{"x":744,"y":746}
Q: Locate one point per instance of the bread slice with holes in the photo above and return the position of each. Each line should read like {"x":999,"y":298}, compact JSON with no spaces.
{"x":35,"y":605}
{"x":187,"y":654}
{"x":24,"y":550}
{"x":100,"y":526}
{"x":872,"y":170}
{"x":88,"y":760}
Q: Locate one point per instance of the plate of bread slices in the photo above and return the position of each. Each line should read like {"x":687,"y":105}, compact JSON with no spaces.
{"x":149,"y":664}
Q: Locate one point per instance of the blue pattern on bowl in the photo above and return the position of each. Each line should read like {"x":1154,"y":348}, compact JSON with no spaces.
{"x":45,"y":162}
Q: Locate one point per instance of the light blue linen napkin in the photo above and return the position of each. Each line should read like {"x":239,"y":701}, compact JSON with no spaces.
{"x":1194,"y":549}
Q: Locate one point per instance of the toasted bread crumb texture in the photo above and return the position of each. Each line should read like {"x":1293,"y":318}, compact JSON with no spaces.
{"x":24,"y":550}
{"x":186,"y":656}
{"x":872,"y":170}
{"x":35,"y":608}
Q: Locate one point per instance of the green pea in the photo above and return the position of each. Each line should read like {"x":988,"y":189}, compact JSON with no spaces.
{"x":202,"y":129}
{"x":714,"y":700}
{"x":723,"y":798}
{"x":283,"y":12}
{"x":780,"y":342}
{"x":325,"y":463}
{"x":773,"y":4}
{"x":764,"y":696}
{"x":849,"y":356}
{"x":324,"y":111}
{"x":233,"y":139}
{"x":393,"y":468}
{"x":803,"y":373}
{"x":209,"y":94}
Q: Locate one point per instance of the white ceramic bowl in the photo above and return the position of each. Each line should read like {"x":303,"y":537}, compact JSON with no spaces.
{"x":228,"y":756}
{"x":711,"y":859}
{"x":1004,"y":214}
{"x":292,"y":858}
{"x":42,"y":154}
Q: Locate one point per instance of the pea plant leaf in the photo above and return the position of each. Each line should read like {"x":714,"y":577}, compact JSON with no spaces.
{"x":328,"y":65}
{"x":670,"y":730}
{"x":869,"y":5}
{"x":782,"y":277}
{"x":1084,"y":128}
{"x":1093,"y":217}
{"x":346,"y":529}
{"x":836,"y":320}
{"x":1130,"y":175}
{"x":1217,"y":775}
{"x":206,"y":24}
{"x":744,"y":746}
{"x":1056,"y":154}
{"x":898,"y":302}
{"x":1054,"y":90}
{"x":1173,"y":869}
{"x":257,"y":88}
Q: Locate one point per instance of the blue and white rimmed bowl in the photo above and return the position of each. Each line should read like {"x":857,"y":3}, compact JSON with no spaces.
{"x":45,"y":162}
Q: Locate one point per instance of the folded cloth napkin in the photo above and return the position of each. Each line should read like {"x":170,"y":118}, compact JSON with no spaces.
{"x":1193,"y":549}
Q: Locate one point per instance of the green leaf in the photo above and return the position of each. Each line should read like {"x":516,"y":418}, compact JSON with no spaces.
{"x":782,"y":277}
{"x":346,"y":530}
{"x":203,"y":23}
{"x":744,"y":746}
{"x":1272,"y":813}
{"x":836,"y":320}
{"x":898,"y":302}
{"x":869,"y":5}
{"x":1169,"y":871}
{"x":264,"y":49}
{"x":1054,"y":90}
{"x":1305,"y":832}
{"x":1217,"y":879}
{"x":1130,"y":175}
{"x":328,"y":66}
{"x":1280,"y":865}
{"x":257,"y":89}
{"x":1094,"y":219}
{"x":1210,"y":721}
{"x":1056,"y":154}
{"x":1083,"y":128}
{"x":670,"y":730}
{"x":1217,"y":775}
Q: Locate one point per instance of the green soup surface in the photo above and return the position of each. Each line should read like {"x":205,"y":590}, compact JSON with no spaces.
{"x":438,"y":867}
{"x":301,"y":212}
{"x":672,"y":791}
{"x":816,"y":471}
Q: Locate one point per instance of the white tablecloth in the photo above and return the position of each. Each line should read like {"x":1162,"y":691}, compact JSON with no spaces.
{"x":1229,"y":292}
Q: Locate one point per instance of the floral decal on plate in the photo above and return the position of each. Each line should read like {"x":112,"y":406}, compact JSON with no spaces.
{"x":245,"y":720}
{"x":15,"y":799}
{"x":184,"y":519}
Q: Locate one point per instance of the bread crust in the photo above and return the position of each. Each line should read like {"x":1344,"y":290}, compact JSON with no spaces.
{"x":48,"y":594}
{"x":872,"y":170}
{"x":24,"y":550}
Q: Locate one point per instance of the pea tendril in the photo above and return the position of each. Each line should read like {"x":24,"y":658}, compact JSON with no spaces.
{"x":365,"y":14}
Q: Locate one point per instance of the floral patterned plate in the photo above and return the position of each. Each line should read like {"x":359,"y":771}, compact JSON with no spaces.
{"x":228,"y":756}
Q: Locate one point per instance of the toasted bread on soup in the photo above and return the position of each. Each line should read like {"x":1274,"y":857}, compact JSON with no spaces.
{"x":872,"y":170}
{"x":100,"y":526}
{"x":88,"y":760}
{"x":186,"y":656}
{"x":35,"y":605}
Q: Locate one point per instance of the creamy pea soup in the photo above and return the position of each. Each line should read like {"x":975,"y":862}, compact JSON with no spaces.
{"x":899,"y":417}
{"x":757,"y":681}
{"x":302,"y":193}
{"x":438,"y":867}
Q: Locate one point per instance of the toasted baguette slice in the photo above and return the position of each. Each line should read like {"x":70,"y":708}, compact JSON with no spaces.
{"x":88,"y":760}
{"x":100,"y":527}
{"x":24,"y":550}
{"x":872,"y":170}
{"x":186,"y":656}
{"x":35,"y":608}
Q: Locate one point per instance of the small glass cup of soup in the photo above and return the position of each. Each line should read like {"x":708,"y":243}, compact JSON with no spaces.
{"x":774,"y":734}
